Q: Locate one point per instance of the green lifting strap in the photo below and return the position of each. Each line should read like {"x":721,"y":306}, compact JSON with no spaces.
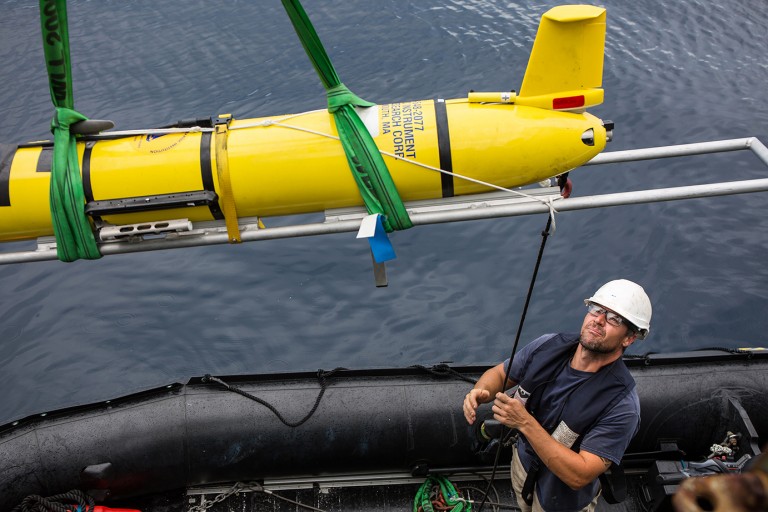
{"x":423,"y":499}
{"x":368,"y":168}
{"x":74,"y":236}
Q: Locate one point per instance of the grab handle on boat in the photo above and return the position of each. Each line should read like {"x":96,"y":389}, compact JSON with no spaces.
{"x":91,"y":126}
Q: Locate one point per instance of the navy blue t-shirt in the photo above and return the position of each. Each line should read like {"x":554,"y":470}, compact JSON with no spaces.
{"x":609,"y":438}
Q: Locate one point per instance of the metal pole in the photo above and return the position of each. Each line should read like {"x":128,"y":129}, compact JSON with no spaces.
{"x":513,"y":210}
{"x":601,"y":201}
{"x":698,"y":148}
{"x":759,"y":149}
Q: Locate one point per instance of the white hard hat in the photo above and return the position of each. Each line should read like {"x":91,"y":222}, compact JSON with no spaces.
{"x":629,"y":300}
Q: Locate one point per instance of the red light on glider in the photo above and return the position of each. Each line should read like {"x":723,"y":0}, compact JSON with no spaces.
{"x":568,"y":102}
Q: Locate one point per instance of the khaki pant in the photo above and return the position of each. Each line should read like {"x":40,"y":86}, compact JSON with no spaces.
{"x":518,"y":478}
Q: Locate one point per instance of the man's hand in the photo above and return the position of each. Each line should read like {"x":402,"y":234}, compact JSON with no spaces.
{"x":511,"y":412}
{"x":473,"y":399}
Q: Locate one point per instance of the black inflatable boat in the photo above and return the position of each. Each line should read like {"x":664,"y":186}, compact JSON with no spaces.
{"x":359,"y":439}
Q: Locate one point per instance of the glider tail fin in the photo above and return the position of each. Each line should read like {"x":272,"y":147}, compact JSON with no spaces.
{"x":565,"y":70}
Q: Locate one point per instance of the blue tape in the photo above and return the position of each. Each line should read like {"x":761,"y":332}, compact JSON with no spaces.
{"x":381,"y":247}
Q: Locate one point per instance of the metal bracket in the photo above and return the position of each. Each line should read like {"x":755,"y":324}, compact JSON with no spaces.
{"x":379,"y":273}
{"x":221,"y":119}
{"x":150,"y":203}
{"x":111,"y":232}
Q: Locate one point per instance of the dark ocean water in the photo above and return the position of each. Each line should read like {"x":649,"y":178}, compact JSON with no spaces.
{"x":675,"y":72}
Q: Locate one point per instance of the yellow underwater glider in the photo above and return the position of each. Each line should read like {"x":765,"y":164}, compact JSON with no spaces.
{"x":295,"y":163}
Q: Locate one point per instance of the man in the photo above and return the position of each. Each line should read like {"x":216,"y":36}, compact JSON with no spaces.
{"x":576,"y":406}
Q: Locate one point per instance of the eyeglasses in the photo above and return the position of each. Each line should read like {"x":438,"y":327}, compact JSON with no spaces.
{"x":610,"y":317}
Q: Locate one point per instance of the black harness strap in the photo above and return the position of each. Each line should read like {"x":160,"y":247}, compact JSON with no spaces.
{"x":444,"y":147}
{"x":206,"y":171}
{"x":87,"y":188}
{"x":45,"y":159}
{"x":6,"y":160}
{"x":529,"y":486}
{"x":614,"y":485}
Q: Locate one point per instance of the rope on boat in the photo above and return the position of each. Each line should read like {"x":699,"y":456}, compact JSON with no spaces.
{"x":65,"y":502}
{"x":544,"y":236}
{"x":437,"y":493}
{"x":257,"y":487}
{"x":741,"y":351}
{"x":244,"y":487}
{"x":497,"y":505}
{"x":321,"y":376}
{"x":443,"y":370}
{"x":646,"y":358}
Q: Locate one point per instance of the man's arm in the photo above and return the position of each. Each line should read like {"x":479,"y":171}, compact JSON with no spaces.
{"x":575,"y":469}
{"x":490,"y":383}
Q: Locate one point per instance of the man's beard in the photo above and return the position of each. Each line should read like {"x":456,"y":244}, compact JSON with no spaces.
{"x":593,"y":345}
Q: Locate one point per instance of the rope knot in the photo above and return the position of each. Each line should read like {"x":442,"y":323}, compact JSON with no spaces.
{"x":441,"y":368}
{"x":340,"y":95}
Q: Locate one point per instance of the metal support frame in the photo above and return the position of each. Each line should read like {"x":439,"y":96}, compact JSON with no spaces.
{"x":362,"y":479}
{"x":483,"y":206}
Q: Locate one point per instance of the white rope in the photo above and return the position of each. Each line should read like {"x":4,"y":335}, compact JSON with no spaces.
{"x":548,"y":202}
{"x":270,"y":122}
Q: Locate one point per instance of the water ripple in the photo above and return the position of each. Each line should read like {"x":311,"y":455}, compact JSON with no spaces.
{"x":675,"y":72}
